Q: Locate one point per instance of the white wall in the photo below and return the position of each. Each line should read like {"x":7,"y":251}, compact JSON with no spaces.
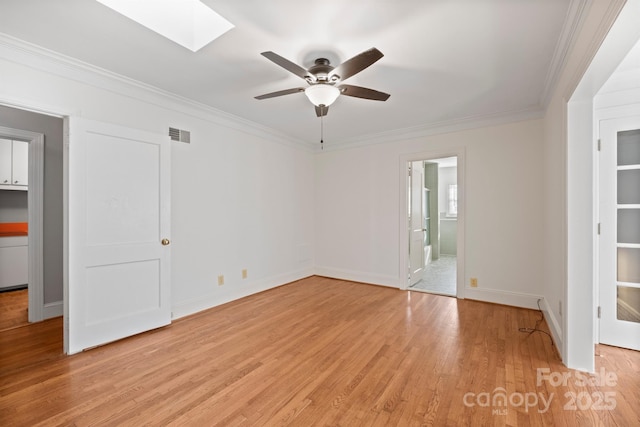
{"x":554,"y":209}
{"x":241,"y":197}
{"x":358,"y":210}
{"x":238,"y":202}
{"x":13,"y":206}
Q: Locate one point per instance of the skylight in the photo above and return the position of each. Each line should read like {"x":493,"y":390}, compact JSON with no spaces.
{"x":190,"y":23}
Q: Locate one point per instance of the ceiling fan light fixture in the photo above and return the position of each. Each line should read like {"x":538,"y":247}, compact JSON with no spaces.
{"x":322,"y":94}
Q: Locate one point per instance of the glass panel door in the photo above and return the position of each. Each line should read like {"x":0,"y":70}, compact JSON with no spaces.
{"x":628,"y":226}
{"x":619,"y":244}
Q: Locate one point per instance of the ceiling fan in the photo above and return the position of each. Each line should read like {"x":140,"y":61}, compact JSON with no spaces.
{"x":325,"y":81}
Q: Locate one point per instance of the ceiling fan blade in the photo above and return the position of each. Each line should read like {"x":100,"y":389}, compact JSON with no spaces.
{"x":289,"y":66}
{"x":322,"y":111}
{"x":280,"y":93}
{"x":356,"y":64}
{"x":363,"y":92}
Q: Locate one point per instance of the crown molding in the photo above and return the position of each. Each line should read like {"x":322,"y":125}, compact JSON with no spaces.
{"x":573,"y":21}
{"x":604,"y":26}
{"x":28,"y":54}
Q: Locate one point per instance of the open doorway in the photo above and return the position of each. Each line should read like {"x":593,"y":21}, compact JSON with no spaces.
{"x":14,"y":220}
{"x":42,"y":251}
{"x":433,"y":215}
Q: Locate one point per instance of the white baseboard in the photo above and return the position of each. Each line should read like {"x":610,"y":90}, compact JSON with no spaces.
{"x":193,"y":306}
{"x":495,"y":296}
{"x":357,"y":276}
{"x":554,"y":325}
{"x":52,"y":309}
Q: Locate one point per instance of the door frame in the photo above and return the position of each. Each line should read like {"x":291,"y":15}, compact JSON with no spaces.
{"x":35,"y":197}
{"x":403,"y":248}
{"x":411,"y":227}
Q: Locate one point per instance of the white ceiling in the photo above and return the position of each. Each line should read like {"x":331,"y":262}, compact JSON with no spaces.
{"x":446,"y":61}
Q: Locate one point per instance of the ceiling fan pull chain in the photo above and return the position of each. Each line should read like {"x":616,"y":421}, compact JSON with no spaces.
{"x":322,"y":132}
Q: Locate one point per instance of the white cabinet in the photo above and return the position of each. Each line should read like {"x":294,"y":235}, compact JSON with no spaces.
{"x":14,"y":165}
{"x":14,"y":261}
{"x":6,"y":161}
{"x":20,"y":159}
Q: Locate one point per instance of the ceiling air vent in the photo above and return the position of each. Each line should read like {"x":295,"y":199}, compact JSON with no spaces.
{"x":180,"y":135}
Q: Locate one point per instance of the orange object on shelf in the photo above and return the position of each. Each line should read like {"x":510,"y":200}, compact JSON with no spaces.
{"x":8,"y":229}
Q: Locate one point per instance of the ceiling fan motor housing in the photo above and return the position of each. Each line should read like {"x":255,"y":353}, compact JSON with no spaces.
{"x":321,"y":69}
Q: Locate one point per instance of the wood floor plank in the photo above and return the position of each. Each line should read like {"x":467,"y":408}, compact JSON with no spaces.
{"x":315,"y":352}
{"x":14,"y":309}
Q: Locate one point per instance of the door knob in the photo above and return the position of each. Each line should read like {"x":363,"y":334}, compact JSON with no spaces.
{"x":165,"y":242}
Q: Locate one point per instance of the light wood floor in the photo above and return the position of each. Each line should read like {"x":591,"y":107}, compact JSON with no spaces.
{"x":316,"y":352}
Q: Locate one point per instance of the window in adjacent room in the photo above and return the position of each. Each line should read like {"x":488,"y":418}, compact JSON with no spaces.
{"x":452,"y":200}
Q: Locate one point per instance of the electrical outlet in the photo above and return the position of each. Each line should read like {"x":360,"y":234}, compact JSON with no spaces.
{"x":220,"y":280}
{"x":473,"y":282}
{"x":244,"y":273}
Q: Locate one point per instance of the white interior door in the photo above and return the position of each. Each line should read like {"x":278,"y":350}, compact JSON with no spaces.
{"x":619,"y":244}
{"x":417,"y":223}
{"x":118,"y":229}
